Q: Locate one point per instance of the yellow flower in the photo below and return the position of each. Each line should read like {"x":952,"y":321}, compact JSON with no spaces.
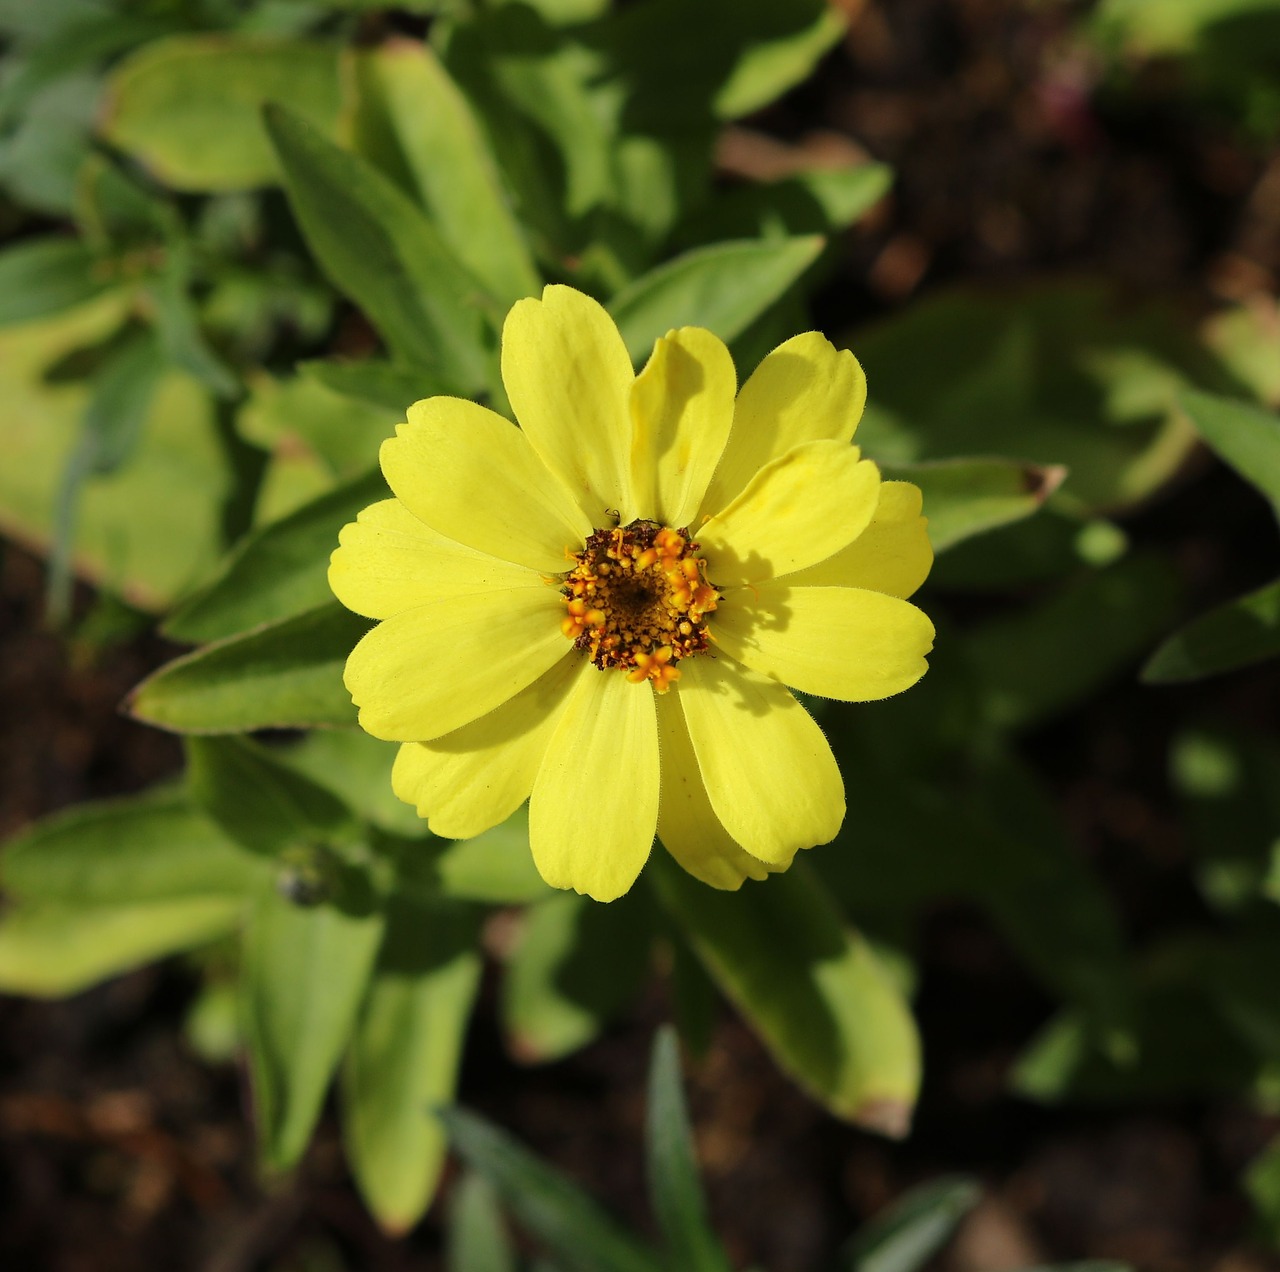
{"x":599,"y":611}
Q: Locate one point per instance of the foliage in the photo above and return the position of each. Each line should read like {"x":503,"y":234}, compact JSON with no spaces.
{"x":249,"y":236}
{"x":580,"y":1237}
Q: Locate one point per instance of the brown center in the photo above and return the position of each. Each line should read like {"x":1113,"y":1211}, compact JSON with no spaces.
{"x":637,"y":599}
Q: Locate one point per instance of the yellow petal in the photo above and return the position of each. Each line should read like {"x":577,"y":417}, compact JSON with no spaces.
{"x":688,"y":827}
{"x":473,"y":476}
{"x":767,"y":769}
{"x":594,"y":806}
{"x":795,"y":512}
{"x":681,"y":410}
{"x":837,"y":642}
{"x":569,"y":379}
{"x":892,"y":555}
{"x":804,"y":390}
{"x":427,"y":671}
{"x":388,"y":561}
{"x":478,"y":775}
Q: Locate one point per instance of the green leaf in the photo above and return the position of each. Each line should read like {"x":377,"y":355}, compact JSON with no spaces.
{"x":966,"y":497}
{"x":495,"y":867}
{"x":723,"y":287}
{"x":575,"y":966}
{"x":45,"y":276}
{"x":776,"y":62}
{"x":178,"y":323}
{"x":50,"y":951}
{"x":79,"y":46}
{"x":674,"y":1186}
{"x":1047,"y":657}
{"x":110,"y":431}
{"x":22,"y":21}
{"x":305,"y":972}
{"x":1016,"y":860}
{"x":811,"y":988}
{"x":981,"y":827}
{"x":1237,"y":634}
{"x":211,"y":1027}
{"x":404,"y":1058}
{"x":302,"y":415}
{"x":259,"y":802}
{"x":416,"y":124}
{"x":146,"y":530}
{"x":1053,"y":375}
{"x":1153,"y":27}
{"x":813,"y":201}
{"x":44,"y":150}
{"x":538,"y":90}
{"x":477,"y":1240}
{"x":188,"y":108}
{"x":276,"y":572}
{"x":374,"y":382}
{"x":1243,"y":435}
{"x":379,"y":249}
{"x":356,"y":768}
{"x":577,"y":1232}
{"x":914,"y":1228}
{"x":285,"y":675}
{"x":732,"y":57}
{"x":1262,"y":1182}
{"x":152,"y":847}
{"x":1246,"y":339}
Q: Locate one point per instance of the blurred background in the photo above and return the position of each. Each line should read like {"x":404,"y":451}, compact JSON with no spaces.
{"x":1065,"y":176}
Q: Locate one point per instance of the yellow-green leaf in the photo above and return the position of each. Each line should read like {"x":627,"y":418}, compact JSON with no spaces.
{"x":189,"y":107}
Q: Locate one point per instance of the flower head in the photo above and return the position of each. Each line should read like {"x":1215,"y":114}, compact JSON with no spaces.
{"x":600,"y":611}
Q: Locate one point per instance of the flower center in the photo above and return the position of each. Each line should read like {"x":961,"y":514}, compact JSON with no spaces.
{"x":638,"y":598}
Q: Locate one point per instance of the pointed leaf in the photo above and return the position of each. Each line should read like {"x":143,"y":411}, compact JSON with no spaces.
{"x":260,"y":802}
{"x":812,"y":989}
{"x":1048,"y":656}
{"x":1237,"y":634}
{"x":379,"y":249}
{"x":152,"y":847}
{"x":965,"y":497}
{"x":50,"y":951}
{"x":110,"y":430}
{"x":415,"y":121}
{"x":769,"y":67}
{"x":477,"y":1238}
{"x":404,"y":1058}
{"x":305,"y":973}
{"x":283,"y":675}
{"x":724,"y":287}
{"x":1065,"y":374}
{"x":914,"y":1228}
{"x":43,"y":276}
{"x":674,"y":1185}
{"x":1243,"y":435}
{"x":577,"y":1232}
{"x":278,"y":571}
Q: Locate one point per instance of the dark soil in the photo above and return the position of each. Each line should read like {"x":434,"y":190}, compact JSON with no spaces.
{"x":120,"y":1151}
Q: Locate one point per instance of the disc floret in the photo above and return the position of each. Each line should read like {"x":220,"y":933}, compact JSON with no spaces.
{"x":637,"y":599}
